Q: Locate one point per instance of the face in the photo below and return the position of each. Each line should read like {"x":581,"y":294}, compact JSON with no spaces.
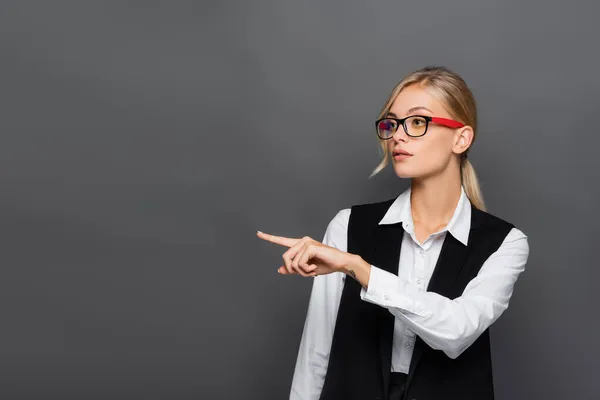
{"x":433,"y":152}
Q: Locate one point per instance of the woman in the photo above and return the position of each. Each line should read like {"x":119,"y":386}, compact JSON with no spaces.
{"x":429,"y":271}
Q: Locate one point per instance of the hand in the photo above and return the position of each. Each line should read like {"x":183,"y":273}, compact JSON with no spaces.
{"x":309,"y":257}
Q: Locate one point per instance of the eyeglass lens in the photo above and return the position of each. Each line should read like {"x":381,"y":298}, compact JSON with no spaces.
{"x":414,"y":126}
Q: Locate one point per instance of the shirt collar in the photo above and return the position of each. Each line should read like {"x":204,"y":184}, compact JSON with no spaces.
{"x":459,"y":225}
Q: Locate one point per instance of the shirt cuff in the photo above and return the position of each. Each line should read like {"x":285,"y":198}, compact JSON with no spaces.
{"x":388,"y":290}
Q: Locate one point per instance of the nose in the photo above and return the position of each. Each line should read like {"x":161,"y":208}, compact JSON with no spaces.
{"x":400,"y":135}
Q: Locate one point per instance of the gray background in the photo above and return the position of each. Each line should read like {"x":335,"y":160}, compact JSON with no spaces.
{"x":144,"y":143}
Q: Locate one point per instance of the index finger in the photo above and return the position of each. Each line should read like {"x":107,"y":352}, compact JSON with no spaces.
{"x":284,"y":241}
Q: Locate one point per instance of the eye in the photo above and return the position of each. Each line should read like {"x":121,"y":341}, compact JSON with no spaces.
{"x":418,"y":122}
{"x":386,"y":128}
{"x":387,"y":124}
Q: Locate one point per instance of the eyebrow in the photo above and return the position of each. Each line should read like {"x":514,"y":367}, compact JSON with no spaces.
{"x":410,"y":111}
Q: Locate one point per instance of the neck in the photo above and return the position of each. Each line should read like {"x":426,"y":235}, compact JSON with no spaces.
{"x":434,"y":199}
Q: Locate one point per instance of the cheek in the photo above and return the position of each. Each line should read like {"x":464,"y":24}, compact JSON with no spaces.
{"x":438,"y":145}
{"x":430,"y":155}
{"x":437,"y":150}
{"x":430,"y":150}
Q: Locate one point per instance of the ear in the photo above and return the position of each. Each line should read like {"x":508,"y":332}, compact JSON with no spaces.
{"x":463,"y":139}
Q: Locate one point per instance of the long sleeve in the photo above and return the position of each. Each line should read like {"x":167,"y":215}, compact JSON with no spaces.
{"x":317,"y":335}
{"x":453,"y":325}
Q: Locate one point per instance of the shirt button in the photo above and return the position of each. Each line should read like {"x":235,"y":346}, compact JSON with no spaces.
{"x":408,"y":344}
{"x":386,"y":297}
{"x":419,"y":281}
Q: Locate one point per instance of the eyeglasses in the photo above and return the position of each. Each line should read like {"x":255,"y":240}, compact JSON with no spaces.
{"x":414,"y":125}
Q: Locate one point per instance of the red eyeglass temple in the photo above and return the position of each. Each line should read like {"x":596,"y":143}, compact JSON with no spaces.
{"x":450,"y":123}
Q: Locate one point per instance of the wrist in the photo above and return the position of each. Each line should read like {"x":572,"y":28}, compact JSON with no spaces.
{"x":358,"y":268}
{"x":351,"y":263}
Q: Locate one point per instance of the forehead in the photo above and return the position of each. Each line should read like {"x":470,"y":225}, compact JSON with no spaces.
{"x":416,"y":96}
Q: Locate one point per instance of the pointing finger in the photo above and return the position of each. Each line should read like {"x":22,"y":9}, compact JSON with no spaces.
{"x":284,"y":241}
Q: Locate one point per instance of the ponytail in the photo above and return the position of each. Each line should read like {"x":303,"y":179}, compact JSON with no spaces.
{"x":471,"y":183}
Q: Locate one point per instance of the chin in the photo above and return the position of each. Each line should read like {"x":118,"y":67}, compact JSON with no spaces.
{"x":402,"y":171}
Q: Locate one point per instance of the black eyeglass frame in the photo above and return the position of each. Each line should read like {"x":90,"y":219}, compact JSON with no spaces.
{"x":450,"y":123}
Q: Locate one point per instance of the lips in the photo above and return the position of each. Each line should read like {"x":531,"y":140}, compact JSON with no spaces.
{"x":401,"y":152}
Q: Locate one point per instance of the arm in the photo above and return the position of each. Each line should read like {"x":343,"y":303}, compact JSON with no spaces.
{"x":445,"y":324}
{"x":317,"y":335}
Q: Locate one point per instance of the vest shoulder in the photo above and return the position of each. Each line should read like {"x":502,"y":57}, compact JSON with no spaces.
{"x":484,"y":218}
{"x":373,"y":210}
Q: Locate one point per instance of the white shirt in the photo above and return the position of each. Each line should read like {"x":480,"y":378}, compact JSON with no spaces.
{"x":444,"y":324}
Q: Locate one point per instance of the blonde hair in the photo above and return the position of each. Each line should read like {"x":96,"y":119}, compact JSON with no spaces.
{"x":454,"y":93}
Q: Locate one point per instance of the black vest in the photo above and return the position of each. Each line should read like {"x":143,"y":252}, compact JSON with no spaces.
{"x":361,"y":350}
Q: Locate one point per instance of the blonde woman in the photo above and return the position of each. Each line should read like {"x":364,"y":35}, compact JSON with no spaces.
{"x":405,"y":290}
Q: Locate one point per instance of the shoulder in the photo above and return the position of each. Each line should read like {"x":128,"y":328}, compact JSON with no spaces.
{"x":370,"y":212}
{"x":340,"y":219}
{"x":357,"y":215}
{"x":489,"y":221}
{"x":357,"y":210}
{"x":337,"y":228}
{"x":486,"y":218}
{"x":514,"y":237}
